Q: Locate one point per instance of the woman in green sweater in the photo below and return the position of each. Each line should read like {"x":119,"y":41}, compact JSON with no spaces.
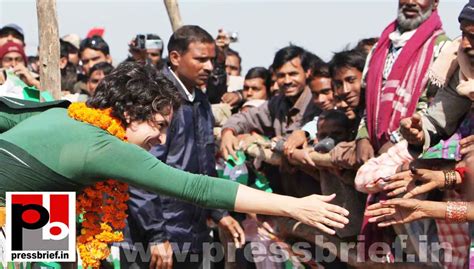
{"x":50,"y":151}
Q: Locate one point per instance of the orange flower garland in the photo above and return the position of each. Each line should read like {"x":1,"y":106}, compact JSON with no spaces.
{"x":100,"y":212}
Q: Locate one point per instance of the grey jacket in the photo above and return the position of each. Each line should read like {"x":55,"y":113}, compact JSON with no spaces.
{"x":445,"y":113}
{"x":277,"y":117}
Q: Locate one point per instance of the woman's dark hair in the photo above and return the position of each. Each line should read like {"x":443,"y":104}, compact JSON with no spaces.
{"x":185,"y":35}
{"x":348,"y":59}
{"x":263,"y":73}
{"x":137,"y":90}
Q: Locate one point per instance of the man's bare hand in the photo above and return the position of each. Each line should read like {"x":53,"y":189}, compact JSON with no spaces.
{"x":161,"y":256}
{"x":22,"y":72}
{"x":412,"y":130}
{"x":467,"y":145}
{"x":296,"y":140}
{"x":364,"y":150}
{"x":231,"y":98}
{"x":229,"y":144}
{"x":229,"y":225}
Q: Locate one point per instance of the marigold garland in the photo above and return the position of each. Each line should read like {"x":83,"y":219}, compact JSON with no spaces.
{"x":103,"y":215}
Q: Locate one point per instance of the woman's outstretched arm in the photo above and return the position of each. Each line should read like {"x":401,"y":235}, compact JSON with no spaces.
{"x":403,"y":210}
{"x":129,"y":163}
{"x":314,"y":210}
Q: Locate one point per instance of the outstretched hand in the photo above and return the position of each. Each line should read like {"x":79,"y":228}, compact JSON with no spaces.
{"x":395,"y":211}
{"x":302,"y":157}
{"x":315,"y":210}
{"x":407,"y":182}
{"x":233,"y":229}
{"x":296,"y":140}
{"x":229,"y":144}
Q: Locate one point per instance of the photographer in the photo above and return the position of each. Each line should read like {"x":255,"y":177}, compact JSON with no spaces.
{"x":147,"y":49}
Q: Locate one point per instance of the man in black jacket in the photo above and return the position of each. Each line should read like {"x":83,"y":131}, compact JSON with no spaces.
{"x":167,"y":225}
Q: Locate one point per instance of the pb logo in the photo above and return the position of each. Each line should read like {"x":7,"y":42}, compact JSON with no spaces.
{"x":41,"y":226}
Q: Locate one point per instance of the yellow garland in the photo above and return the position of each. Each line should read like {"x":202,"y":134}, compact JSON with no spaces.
{"x":100,"y":213}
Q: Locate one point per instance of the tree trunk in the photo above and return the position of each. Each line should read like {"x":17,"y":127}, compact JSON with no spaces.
{"x":50,"y":75}
{"x":173,"y":13}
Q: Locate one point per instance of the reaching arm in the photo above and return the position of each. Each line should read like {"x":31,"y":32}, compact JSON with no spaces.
{"x":403,"y":210}
{"x":133,"y":165}
{"x":312,"y":210}
{"x":256,"y":119}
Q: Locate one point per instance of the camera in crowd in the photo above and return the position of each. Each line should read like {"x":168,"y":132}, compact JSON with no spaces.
{"x":140,"y":42}
{"x":143,"y":42}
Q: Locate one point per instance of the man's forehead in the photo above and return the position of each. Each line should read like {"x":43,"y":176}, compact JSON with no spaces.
{"x":98,"y":73}
{"x":293,"y":63}
{"x":91,"y":53}
{"x":13,"y":54}
{"x":202,"y":48}
{"x":345,"y":71}
{"x":254,"y":81}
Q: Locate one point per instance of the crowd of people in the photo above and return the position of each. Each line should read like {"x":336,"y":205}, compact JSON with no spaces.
{"x":383,"y":131}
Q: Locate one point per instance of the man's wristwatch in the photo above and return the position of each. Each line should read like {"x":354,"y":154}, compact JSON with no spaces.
{"x":396,"y":137}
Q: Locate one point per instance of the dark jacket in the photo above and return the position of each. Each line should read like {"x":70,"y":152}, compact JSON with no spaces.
{"x":190,"y":147}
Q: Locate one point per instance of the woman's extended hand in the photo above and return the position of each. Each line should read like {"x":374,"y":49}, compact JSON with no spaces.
{"x":395,"y":211}
{"x":407,"y":182}
{"x":315,"y":210}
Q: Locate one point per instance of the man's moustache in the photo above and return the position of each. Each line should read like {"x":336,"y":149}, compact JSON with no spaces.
{"x":417,"y":9}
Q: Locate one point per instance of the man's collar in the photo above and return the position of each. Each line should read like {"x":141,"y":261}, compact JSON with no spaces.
{"x":190,"y":96}
{"x":302,"y":100}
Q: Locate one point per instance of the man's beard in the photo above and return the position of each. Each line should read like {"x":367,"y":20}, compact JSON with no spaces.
{"x":406,"y":24}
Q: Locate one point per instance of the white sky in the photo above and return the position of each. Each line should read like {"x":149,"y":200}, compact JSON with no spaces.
{"x":264,"y":26}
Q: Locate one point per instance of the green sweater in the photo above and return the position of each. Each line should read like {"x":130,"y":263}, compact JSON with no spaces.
{"x":81,"y":154}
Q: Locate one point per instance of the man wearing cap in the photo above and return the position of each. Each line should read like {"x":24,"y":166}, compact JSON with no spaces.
{"x":73,"y":42}
{"x":12,"y":56}
{"x":154,"y":49}
{"x":12,"y":32}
